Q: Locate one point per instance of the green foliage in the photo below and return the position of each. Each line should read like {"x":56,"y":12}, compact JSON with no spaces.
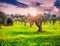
{"x":2,"y":18}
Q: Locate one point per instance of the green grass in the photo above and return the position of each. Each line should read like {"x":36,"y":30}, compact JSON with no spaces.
{"x":20,"y":35}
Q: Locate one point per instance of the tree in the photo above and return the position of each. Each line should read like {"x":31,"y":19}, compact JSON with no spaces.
{"x":9,"y":21}
{"x":53,"y":19}
{"x":38,"y":20}
{"x":2,"y":18}
{"x":0,"y":22}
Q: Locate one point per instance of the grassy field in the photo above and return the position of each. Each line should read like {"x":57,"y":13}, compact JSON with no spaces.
{"x":20,"y":35}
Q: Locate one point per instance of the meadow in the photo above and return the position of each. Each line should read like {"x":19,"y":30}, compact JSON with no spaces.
{"x":20,"y":35}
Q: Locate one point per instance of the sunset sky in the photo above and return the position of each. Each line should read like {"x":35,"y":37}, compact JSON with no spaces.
{"x":27,"y":6}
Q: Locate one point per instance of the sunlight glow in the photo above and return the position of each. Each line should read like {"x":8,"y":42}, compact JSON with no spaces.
{"x":33,"y":11}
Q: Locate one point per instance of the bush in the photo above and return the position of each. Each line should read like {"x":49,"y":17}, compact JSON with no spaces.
{"x":9,"y":21}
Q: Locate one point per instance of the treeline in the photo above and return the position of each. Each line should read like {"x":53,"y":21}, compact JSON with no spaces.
{"x":8,"y":20}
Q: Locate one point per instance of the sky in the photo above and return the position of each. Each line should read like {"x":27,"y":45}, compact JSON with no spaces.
{"x":27,"y":6}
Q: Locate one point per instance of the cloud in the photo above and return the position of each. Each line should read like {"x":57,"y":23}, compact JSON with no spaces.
{"x":37,"y":3}
{"x":14,"y":2}
{"x":13,"y":9}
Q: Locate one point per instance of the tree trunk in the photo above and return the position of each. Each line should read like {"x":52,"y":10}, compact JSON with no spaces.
{"x":31,"y":23}
{"x":59,"y":22}
{"x":40,"y":28}
{"x":24,"y":23}
{"x":0,"y":26}
{"x":39,"y":25}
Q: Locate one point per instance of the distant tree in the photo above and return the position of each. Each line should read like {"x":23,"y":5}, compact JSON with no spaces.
{"x":53,"y":19}
{"x":9,"y":21}
{"x":0,"y":22}
{"x":2,"y":18}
